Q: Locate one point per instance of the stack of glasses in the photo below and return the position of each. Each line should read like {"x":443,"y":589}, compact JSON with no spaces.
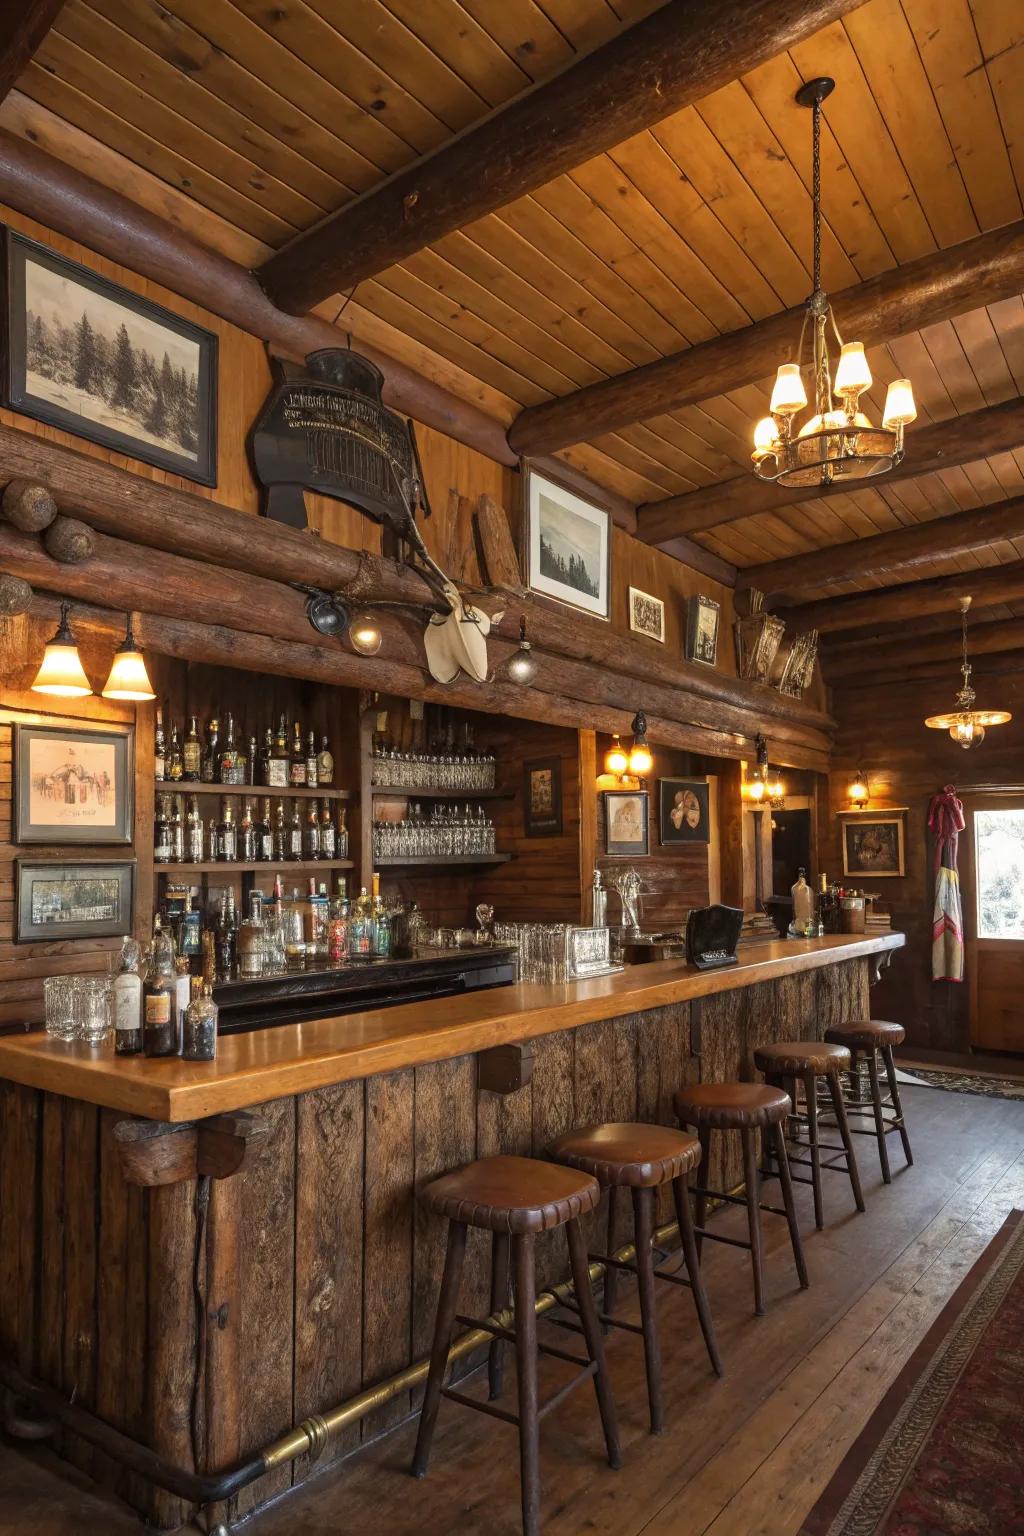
{"x":448,"y":833}
{"x":543,"y":949}
{"x":78,"y":1007}
{"x":432,"y":770}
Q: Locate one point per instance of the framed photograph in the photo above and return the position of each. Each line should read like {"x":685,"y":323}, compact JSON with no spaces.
{"x":542,"y":797}
{"x":702,"y":615}
{"x":646,"y":615}
{"x":568,"y":546}
{"x":57,"y":900}
{"x":89,"y":356}
{"x":683,"y":812}
{"x":73,"y":783}
{"x":626,"y":829}
{"x":873,"y":846}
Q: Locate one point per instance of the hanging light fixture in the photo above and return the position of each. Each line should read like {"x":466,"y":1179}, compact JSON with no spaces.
{"x":522,"y":664}
{"x":764,"y":787}
{"x":835,"y":442}
{"x":641,"y":759}
{"x":128,"y":676}
{"x":857,"y":792}
{"x":965,"y":724}
{"x":616,"y":759}
{"x":61,"y":672}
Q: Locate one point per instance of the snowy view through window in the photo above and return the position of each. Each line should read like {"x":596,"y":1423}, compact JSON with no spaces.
{"x":999,"y":839}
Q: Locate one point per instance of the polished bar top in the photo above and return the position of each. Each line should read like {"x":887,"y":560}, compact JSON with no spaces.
{"x":293,"y":1058}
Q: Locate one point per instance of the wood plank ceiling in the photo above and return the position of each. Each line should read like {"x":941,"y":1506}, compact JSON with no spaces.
{"x":269,"y":114}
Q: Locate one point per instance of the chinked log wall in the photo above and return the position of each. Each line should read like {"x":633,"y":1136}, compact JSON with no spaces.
{"x":334,"y":1279}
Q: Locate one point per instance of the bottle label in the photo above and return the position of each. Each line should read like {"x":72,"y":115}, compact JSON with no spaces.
{"x":297,"y":777}
{"x":277,"y":773}
{"x":191,"y":758}
{"x":127,"y":1013}
{"x":157,"y":1008}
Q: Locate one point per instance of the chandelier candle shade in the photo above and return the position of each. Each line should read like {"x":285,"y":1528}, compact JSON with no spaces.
{"x":965,"y":724}
{"x":837,"y":441}
{"x":61,"y":672}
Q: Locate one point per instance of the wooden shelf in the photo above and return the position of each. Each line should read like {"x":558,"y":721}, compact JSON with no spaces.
{"x":439,"y":862}
{"x":237,"y":867}
{"x":379,"y":793}
{"x":255,"y":791}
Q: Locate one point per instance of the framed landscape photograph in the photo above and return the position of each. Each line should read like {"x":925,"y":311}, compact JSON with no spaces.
{"x":626,"y":823}
{"x":873,"y":846}
{"x":89,"y":356}
{"x":542,"y":797}
{"x":568,"y":545}
{"x":73,"y":783}
{"x":57,"y":900}
{"x":646,"y":615}
{"x":683,"y":812}
{"x":702,"y":616}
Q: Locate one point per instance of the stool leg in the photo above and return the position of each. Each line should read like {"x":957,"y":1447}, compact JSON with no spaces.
{"x":704,"y":1136}
{"x":789,"y":1203}
{"x":499,"y":1300}
{"x":811,"y":1093}
{"x":447,"y":1305}
{"x":643,"y":1219}
{"x":611,"y":1274}
{"x":750,"y":1179}
{"x":684,"y":1216}
{"x":594,"y":1340}
{"x":526,"y":1380}
{"x":876,"y":1100}
{"x":894,"y":1094}
{"x":844,"y":1131}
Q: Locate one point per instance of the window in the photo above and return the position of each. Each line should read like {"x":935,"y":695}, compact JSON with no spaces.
{"x":999,"y":855}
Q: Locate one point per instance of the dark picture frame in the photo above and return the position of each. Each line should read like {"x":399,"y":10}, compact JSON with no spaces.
{"x":684,"y":812}
{"x":874,"y":846}
{"x":139,"y":371}
{"x":703,"y":620}
{"x":561,"y":526}
{"x":542,"y":797}
{"x":83,"y":774}
{"x":618,"y":815}
{"x":38,"y":884}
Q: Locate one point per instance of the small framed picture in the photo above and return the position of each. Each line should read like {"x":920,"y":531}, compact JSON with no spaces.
{"x":702,"y":616}
{"x":73,"y":783}
{"x":683,"y":812}
{"x":646,"y":615}
{"x":57,"y":900}
{"x":873,"y":846}
{"x":568,"y":545}
{"x":542,"y":797}
{"x":626,"y":828}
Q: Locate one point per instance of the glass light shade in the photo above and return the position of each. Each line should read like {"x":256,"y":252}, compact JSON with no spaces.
{"x":128,"y":676}
{"x":899,"y":404}
{"x":365,"y":635}
{"x":857,"y":794}
{"x":61,"y":673}
{"x":755,"y":790}
{"x":522,"y":664}
{"x":766,"y":437}
{"x":776,"y":789}
{"x":852,"y":373}
{"x":616,"y":759}
{"x":967,"y":734}
{"x":788,"y":394}
{"x":641,"y":759}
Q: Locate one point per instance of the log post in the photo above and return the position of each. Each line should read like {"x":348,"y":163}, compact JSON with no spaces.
{"x":171,"y":1351}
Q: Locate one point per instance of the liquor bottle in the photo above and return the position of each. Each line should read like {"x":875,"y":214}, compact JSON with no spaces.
{"x":159,"y":1035}
{"x":247,"y":835}
{"x":360,"y":927}
{"x":311,"y":918}
{"x":279,"y":848}
{"x":312,"y":763}
{"x":162,"y":832}
{"x":194,"y":845}
{"x":127,"y":1001}
{"x":190,"y":929}
{"x":227,"y":835}
{"x":177,"y":834}
{"x":211,"y":753}
{"x":337,"y":926}
{"x":182,"y":997}
{"x":278,"y":764}
{"x":159,"y":748}
{"x":311,"y":836}
{"x":253,"y":765}
{"x":200,"y":1042}
{"x":251,"y":940}
{"x":229,"y":756}
{"x":208,"y":960}
{"x":323,"y":920}
{"x":276,"y":908}
{"x":211,"y":840}
{"x":225,"y":939}
{"x":173,"y":766}
{"x":328,"y":833}
{"x":341,"y":851}
{"x":325,"y":764}
{"x":381,"y":923}
{"x":293,"y":842}
{"x":265,"y":835}
{"x":192,"y":754}
{"x":297,"y":766}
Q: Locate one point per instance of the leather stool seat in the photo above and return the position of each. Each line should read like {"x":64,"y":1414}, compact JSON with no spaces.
{"x":635,"y":1156}
{"x":871,"y":1043}
{"x":866,"y":1033}
{"x":732,"y":1106}
{"x":513,"y":1194}
{"x":785,"y":1057}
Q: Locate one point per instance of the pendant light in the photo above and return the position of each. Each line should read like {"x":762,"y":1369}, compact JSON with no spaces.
{"x":965,"y":724}
{"x":837,"y":441}
{"x":61,"y":672}
{"x":522,"y":664}
{"x":128,"y":676}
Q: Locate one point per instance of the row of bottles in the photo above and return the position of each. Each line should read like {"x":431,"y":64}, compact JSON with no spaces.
{"x":312,"y":830}
{"x":160,"y":1007}
{"x":210,"y":757}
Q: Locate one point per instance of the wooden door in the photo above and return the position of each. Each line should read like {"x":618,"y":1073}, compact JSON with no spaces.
{"x":992,"y":876}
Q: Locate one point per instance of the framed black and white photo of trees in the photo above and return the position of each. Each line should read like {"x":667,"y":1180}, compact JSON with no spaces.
{"x":84,"y":354}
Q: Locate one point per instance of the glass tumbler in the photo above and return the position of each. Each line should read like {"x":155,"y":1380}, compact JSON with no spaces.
{"x":57,"y":1001}
{"x":91,"y":1007}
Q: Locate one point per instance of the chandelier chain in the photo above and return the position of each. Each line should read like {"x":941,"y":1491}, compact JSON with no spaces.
{"x":816,"y":192}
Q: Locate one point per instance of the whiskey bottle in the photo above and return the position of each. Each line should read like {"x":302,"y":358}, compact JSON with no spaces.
{"x":265,"y":835}
{"x":227,"y":835}
{"x":194,"y":844}
{"x":247,"y":835}
{"x":266,"y":753}
{"x":278,"y":763}
{"x":159,"y":1036}
{"x":328,"y":833}
{"x":159,"y":748}
{"x":177,"y":834}
{"x":311,"y":836}
{"x":211,"y":753}
{"x":279,"y":847}
{"x":173,"y":766}
{"x":225,"y":940}
{"x":312,"y":763}
{"x":127,"y":1001}
{"x":229,"y":757}
{"x":211,"y":840}
{"x":297,"y":767}
{"x":250,"y":940}
{"x":341,"y":851}
{"x":325,"y":764}
{"x":253,"y":765}
{"x":200,"y":1042}
{"x":293,"y":841}
{"x":190,"y":928}
{"x":337,"y":926}
{"x":162,"y":832}
{"x":192,"y":754}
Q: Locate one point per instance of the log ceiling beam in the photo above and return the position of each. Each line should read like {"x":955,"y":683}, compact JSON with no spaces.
{"x":863,"y":656}
{"x":900,"y":549}
{"x":935,"y":288}
{"x":681,"y":52}
{"x":23,"y":25}
{"x":939,"y":445}
{"x":913,"y":600}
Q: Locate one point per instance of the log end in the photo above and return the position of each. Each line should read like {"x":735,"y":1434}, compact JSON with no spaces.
{"x":15,"y":596}
{"x":69,"y":541}
{"x":28,"y":506}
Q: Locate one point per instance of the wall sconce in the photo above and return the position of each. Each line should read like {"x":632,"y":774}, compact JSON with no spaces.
{"x":364,"y":634}
{"x":616,"y":759}
{"x":857,"y":792}
{"x":329,"y":615}
{"x":641,"y":759}
{"x":128,"y":676}
{"x":522,"y":664}
{"x":61,"y":672}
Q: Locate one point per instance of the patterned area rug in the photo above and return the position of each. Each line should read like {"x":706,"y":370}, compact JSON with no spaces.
{"x":941,"y":1455}
{"x":969,"y":1082}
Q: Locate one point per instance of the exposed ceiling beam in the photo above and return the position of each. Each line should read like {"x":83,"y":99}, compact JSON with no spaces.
{"x":873,"y":655}
{"x":902,"y":548}
{"x":939,"y":445}
{"x":23,"y":25}
{"x":896,"y":303}
{"x":995,"y":584}
{"x":673,"y":57}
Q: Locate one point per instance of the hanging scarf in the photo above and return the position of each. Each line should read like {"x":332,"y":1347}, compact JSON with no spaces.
{"x":946,"y":821}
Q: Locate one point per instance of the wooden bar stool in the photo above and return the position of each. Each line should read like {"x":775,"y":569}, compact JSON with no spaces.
{"x":515,"y":1198}
{"x":747,"y":1108}
{"x":641,"y":1158}
{"x":867,"y":1039}
{"x":793,"y":1062}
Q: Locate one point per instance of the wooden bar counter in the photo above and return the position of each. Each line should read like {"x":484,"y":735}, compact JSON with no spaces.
{"x":206,"y":1255}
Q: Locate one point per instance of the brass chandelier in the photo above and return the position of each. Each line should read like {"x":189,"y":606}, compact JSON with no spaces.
{"x":965,"y":724}
{"x":837,"y":442}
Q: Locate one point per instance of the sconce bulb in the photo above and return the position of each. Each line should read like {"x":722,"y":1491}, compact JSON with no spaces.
{"x":616,"y":759}
{"x":365,"y":634}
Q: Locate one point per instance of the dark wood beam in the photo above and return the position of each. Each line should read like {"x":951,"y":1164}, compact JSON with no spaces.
{"x":23,"y":25}
{"x":896,"y":303}
{"x":940,"y":445}
{"x":901,"y":549}
{"x":676,"y":55}
{"x":867,"y":657}
{"x":996,"y":584}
